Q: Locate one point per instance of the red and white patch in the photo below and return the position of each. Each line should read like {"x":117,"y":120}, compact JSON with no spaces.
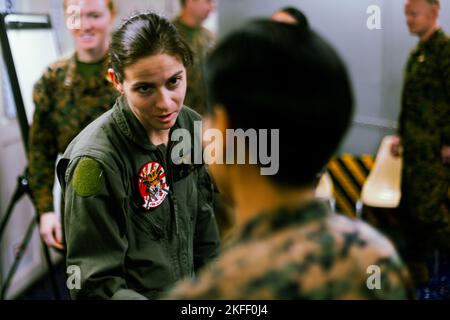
{"x":152,"y":185}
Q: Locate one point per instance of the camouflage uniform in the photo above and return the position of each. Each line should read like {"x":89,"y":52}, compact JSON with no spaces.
{"x":302,"y":253}
{"x":200,"y":41}
{"x":65,"y":103}
{"x":424,"y":127}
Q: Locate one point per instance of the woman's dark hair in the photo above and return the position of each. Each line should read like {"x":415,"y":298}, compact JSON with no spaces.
{"x":146,"y":34}
{"x":270,"y":75}
{"x":299,"y":16}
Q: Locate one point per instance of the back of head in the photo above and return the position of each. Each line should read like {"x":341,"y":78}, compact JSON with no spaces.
{"x":271,"y":75}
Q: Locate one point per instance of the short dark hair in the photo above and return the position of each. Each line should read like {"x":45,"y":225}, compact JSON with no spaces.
{"x":182,"y":3}
{"x":299,"y":16}
{"x":271,"y":75}
{"x":144,"y":34}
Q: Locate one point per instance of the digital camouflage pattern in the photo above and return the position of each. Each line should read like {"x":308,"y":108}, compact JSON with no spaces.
{"x":302,"y":253}
{"x":424,"y":127}
{"x":201,"y":41}
{"x":65,"y":102}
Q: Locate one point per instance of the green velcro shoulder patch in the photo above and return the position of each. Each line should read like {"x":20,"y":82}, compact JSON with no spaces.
{"x":88,"y":178}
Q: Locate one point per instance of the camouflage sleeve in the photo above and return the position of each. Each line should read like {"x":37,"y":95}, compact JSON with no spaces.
{"x":95,"y":231}
{"x":446,"y":74}
{"x":401,"y":114}
{"x":42,"y":146}
{"x":206,"y":238}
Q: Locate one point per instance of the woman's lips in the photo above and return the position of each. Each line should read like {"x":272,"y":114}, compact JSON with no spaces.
{"x":167,"y":118}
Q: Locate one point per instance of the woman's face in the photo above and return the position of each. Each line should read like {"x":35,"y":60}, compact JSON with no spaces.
{"x":155,"y":87}
{"x":92,"y":32}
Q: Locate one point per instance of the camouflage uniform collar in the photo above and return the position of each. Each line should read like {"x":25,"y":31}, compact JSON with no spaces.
{"x":131,"y":128}
{"x":431,"y":41}
{"x":267,"y":223}
{"x":185,"y":28}
{"x":74,"y":78}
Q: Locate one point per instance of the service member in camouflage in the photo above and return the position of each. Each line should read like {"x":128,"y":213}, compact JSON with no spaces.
{"x":424,"y":134}
{"x":289,"y":245}
{"x":201,"y":41}
{"x":71,"y":93}
{"x":136,"y":219}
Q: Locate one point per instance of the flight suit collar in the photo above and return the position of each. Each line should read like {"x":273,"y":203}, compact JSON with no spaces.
{"x":131,"y":128}
{"x":266,"y":223}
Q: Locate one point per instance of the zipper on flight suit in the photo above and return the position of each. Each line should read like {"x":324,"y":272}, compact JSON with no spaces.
{"x":172,"y":199}
{"x":169,"y":176}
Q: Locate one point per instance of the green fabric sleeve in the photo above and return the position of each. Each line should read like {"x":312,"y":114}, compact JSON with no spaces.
{"x":127,"y":294}
{"x":43,"y":148}
{"x":95,"y":232}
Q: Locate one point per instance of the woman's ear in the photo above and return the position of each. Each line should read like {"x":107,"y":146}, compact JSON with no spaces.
{"x":115,"y":81}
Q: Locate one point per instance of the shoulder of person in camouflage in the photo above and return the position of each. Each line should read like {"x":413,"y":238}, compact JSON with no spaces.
{"x":425,"y":86}
{"x":443,"y":39}
{"x":61,"y":66}
{"x":209,"y":37}
{"x":326,"y":258}
{"x":54,"y":76}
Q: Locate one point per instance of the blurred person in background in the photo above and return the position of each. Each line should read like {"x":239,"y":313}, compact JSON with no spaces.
{"x":71,"y":93}
{"x":200,"y":40}
{"x":424,"y":141}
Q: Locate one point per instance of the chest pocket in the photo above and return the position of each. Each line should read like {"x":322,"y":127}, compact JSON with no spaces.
{"x":186,"y":193}
{"x":149,"y":224}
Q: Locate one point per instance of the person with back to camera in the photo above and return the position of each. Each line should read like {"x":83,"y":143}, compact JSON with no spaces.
{"x":291,"y":15}
{"x":289,"y":245}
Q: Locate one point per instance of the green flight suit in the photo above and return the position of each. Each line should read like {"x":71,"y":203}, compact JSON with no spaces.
{"x":126,"y":251}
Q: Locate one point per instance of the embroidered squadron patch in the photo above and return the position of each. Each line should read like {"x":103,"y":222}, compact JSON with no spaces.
{"x":152,"y":185}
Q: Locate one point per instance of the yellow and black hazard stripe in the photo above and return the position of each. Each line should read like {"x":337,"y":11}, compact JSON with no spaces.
{"x":349,"y":173}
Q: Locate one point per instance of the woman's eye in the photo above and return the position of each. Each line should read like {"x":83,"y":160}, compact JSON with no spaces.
{"x":143,"y":89}
{"x":173,"y":82}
